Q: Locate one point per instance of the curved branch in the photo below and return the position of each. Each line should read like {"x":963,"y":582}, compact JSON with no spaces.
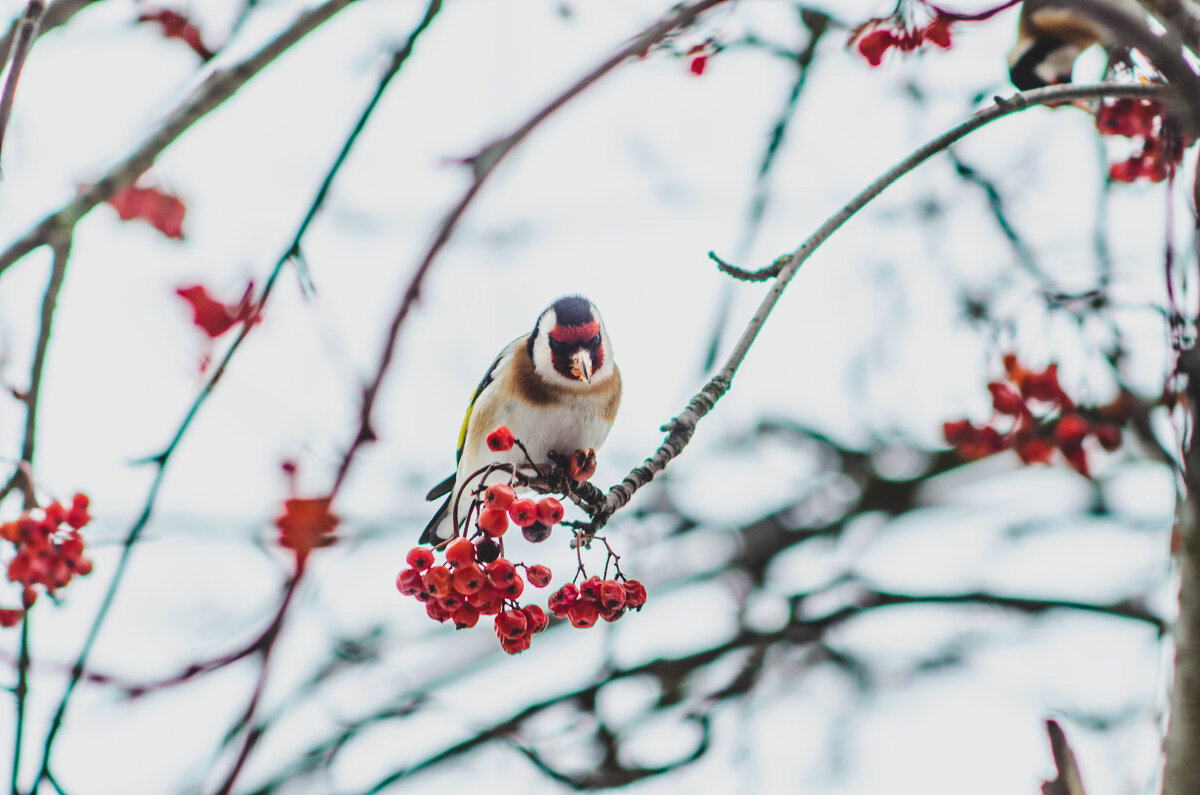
{"x":680,"y":429}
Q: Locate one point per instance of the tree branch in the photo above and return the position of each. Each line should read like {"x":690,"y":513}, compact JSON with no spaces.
{"x":216,"y":88}
{"x":26,"y":30}
{"x":681,"y":428}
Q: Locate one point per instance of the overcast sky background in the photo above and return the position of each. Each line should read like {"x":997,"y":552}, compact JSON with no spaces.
{"x":619,"y":197}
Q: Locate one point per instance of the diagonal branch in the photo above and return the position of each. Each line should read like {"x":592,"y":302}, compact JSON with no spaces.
{"x":215,"y":89}
{"x":680,"y":429}
{"x":25,"y":31}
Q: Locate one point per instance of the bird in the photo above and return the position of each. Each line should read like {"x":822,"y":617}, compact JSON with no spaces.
{"x":1050,"y":36}
{"x":556,"y":388}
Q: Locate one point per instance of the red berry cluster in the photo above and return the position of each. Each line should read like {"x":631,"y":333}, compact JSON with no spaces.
{"x":595,"y":598}
{"x":476,"y":580}
{"x":877,"y":36}
{"x":536,"y":519}
{"x":1042,"y":419}
{"x":49,"y":551}
{"x":1159,"y":147}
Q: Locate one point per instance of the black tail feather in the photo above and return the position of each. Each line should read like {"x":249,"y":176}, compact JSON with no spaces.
{"x":445,"y":487}
{"x":429,"y":535}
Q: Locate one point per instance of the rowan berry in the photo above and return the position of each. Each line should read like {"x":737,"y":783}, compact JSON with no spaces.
{"x":409,"y":582}
{"x":499,"y":496}
{"x":538,"y":575}
{"x":468,"y":579}
{"x":466,"y":617}
{"x":437,"y":581}
{"x":511,"y":624}
{"x":460,"y":552}
{"x":612,"y":595}
{"x":536,"y":618}
{"x":515,"y":587}
{"x":500,"y":440}
{"x":549,"y":511}
{"x":589,"y":589}
{"x":493,"y":522}
{"x":1070,"y":431}
{"x":515,"y":645}
{"x":500,"y":572}
{"x":523,"y":512}
{"x":635,"y":594}
{"x":435,"y":611}
{"x":420,"y":558}
{"x":583,"y":614}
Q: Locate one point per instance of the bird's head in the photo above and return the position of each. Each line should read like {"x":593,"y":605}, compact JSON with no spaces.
{"x":569,"y":345}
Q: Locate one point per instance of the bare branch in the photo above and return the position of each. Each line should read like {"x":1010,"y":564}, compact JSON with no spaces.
{"x":1068,"y":781}
{"x":681,"y":428}
{"x":26,"y":29}
{"x":216,"y":88}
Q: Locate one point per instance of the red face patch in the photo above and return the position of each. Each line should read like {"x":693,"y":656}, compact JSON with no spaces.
{"x":575,"y":333}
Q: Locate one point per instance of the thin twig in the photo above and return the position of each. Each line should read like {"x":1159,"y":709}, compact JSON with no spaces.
{"x":20,"y":693}
{"x":681,"y":428}
{"x":26,"y":30}
{"x":760,"y":275}
{"x":253,"y":733}
{"x":482,"y":165}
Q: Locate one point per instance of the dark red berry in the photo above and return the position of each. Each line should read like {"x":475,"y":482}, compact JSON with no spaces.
{"x":536,"y":533}
{"x":487,"y":550}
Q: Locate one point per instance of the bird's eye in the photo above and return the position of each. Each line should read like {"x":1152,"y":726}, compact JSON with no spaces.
{"x":596,"y":340}
{"x":557,"y":345}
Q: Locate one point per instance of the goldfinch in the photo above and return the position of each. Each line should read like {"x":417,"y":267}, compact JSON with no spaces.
{"x":1050,"y":36}
{"x":557,"y":389}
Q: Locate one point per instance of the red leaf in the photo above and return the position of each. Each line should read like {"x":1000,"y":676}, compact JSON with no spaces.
{"x":161,"y":210}
{"x":176,"y":26}
{"x":214,"y":317}
{"x":305,"y":525}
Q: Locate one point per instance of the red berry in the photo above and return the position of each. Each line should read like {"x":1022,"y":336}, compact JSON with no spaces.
{"x":452,"y":601}
{"x":466,"y":617}
{"x":487,"y":599}
{"x":78,"y":517}
{"x":583,"y":614}
{"x":511,"y":624}
{"x":635,"y":594}
{"x":500,"y":573}
{"x":612,"y":595}
{"x":409,"y":582}
{"x":499,"y":496}
{"x":523,"y":512}
{"x":514,"y":588}
{"x":437,"y":581}
{"x":697,"y":65}
{"x":55,"y":513}
{"x":1077,"y":458}
{"x":500,"y":439}
{"x":536,"y":618}
{"x":562,"y":599}
{"x":515,"y":645}
{"x":435,"y":611}
{"x":612,"y":614}
{"x":1070,"y":431}
{"x":589,"y":589}
{"x":493,"y":522}
{"x":460,"y":552}
{"x":420,"y":558}
{"x":468,"y":579}
{"x":81,"y":502}
{"x":549,"y":511}
{"x":538,"y":575}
